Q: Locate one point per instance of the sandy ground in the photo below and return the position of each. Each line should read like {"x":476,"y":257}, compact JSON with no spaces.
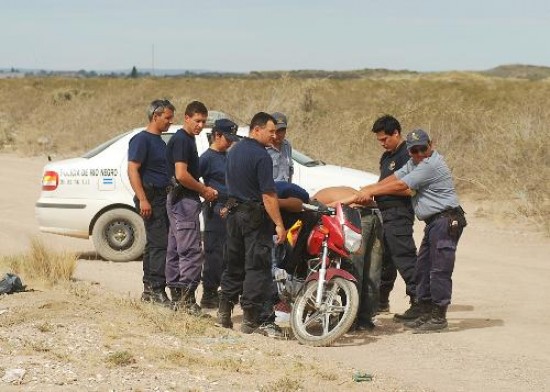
{"x":497,"y":339}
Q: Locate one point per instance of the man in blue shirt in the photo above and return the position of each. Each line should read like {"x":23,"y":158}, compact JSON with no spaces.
{"x":184,"y":256}
{"x":148,"y":177}
{"x":280,"y":151}
{"x":427,"y":178}
{"x":250,"y":222}
{"x":212,"y":169}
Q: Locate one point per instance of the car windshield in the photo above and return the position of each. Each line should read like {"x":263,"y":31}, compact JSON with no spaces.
{"x":92,"y":153}
{"x":303,"y":159}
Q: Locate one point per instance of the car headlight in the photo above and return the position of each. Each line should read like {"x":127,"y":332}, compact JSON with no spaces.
{"x":352,"y":240}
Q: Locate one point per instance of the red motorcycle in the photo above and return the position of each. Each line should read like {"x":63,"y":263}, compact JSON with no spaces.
{"x":315,"y":277}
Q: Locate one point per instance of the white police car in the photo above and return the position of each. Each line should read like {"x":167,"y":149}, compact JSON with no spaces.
{"x":91,"y":195}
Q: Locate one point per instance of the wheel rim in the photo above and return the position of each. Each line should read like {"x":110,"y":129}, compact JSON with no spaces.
{"x":314,"y":322}
{"x":119,"y":234}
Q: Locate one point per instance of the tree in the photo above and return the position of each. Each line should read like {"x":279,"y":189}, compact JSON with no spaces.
{"x":134,"y":73}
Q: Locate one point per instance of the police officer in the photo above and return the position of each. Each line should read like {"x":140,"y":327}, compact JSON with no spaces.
{"x":428,"y":179}
{"x":280,"y":150}
{"x":212,"y":169}
{"x":254,"y":210}
{"x":399,"y":249}
{"x":148,"y":177}
{"x":291,"y":198}
{"x":184,"y":257}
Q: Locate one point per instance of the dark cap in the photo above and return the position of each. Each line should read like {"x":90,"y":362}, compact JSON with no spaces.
{"x":280,"y":119}
{"x":418,"y":137}
{"x":228,"y":128}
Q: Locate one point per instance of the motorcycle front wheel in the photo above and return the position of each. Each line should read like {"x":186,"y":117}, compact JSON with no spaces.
{"x":321,"y":326}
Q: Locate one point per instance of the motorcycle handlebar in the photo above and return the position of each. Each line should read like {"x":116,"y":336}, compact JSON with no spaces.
{"x":319,"y":208}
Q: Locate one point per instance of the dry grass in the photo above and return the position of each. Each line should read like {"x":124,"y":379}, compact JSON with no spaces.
{"x":493,"y":132}
{"x":133,"y":346}
{"x":42,"y":264}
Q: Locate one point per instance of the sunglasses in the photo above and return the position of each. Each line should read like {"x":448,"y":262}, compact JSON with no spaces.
{"x":418,"y":149}
{"x":160,"y":104}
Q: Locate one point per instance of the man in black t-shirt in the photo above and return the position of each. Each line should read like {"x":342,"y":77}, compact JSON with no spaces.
{"x":399,"y":249}
{"x":184,"y":257}
{"x":250,"y":184}
{"x":149,"y":179}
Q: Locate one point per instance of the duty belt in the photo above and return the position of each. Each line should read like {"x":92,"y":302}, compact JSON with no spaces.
{"x":384,"y":205}
{"x":447,"y":212}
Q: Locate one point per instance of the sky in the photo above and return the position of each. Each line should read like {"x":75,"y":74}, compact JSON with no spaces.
{"x":248,"y":35}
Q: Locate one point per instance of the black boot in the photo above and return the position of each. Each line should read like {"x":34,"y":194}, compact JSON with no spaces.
{"x":250,"y":321}
{"x":175,"y":294}
{"x":410,"y":314}
{"x":383,"y":303}
{"x":210,"y":299}
{"x":147,"y":291}
{"x":188,"y":303}
{"x":224,"y":314}
{"x":426,"y":314}
{"x":437,"y":321}
{"x":156,"y":296}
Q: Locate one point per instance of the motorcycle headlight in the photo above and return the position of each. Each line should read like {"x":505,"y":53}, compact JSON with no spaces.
{"x":352,"y":240}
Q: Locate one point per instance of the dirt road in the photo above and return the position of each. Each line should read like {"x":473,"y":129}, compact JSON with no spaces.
{"x":498,"y":336}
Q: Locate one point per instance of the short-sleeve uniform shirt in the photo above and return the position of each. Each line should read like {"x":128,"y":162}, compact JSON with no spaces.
{"x":249,"y":171}
{"x":149,"y":150}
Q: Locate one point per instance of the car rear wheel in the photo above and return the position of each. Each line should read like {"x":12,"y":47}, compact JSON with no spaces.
{"x":119,"y":235}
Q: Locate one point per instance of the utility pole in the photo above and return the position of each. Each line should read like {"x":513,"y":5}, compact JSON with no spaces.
{"x":153,"y":60}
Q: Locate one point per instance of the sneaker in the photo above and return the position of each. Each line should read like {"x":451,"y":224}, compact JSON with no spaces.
{"x":271,"y":330}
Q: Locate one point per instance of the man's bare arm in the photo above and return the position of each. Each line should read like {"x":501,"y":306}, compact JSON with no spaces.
{"x":137,"y":186}
{"x":187,"y":180}
{"x":271,"y":204}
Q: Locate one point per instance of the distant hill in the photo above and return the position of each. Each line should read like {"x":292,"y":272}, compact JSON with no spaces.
{"x":521,"y":71}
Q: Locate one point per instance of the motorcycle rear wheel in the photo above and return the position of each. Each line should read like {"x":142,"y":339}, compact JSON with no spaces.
{"x":321,"y":326}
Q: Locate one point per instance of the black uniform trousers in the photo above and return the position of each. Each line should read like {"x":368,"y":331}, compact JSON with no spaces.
{"x":399,"y":250}
{"x":247,"y":259}
{"x":156,"y":238}
{"x":215,"y":234}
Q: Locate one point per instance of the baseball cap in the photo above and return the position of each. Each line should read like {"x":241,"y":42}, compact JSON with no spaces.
{"x":280,"y":119}
{"x":418,"y":137}
{"x":228,"y":128}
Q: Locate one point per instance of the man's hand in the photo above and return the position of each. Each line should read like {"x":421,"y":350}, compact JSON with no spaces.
{"x":145,"y":208}
{"x":209,"y":194}
{"x":364,"y":197}
{"x":281,"y":234}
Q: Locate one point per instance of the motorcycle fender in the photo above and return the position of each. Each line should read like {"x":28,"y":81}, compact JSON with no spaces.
{"x":331,"y":273}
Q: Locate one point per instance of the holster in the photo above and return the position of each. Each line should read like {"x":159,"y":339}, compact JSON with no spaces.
{"x":254,"y":211}
{"x":178,"y":191}
{"x":176,"y":194}
{"x":457,"y":221}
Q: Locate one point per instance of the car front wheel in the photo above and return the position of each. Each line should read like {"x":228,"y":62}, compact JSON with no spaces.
{"x":119,"y":235}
